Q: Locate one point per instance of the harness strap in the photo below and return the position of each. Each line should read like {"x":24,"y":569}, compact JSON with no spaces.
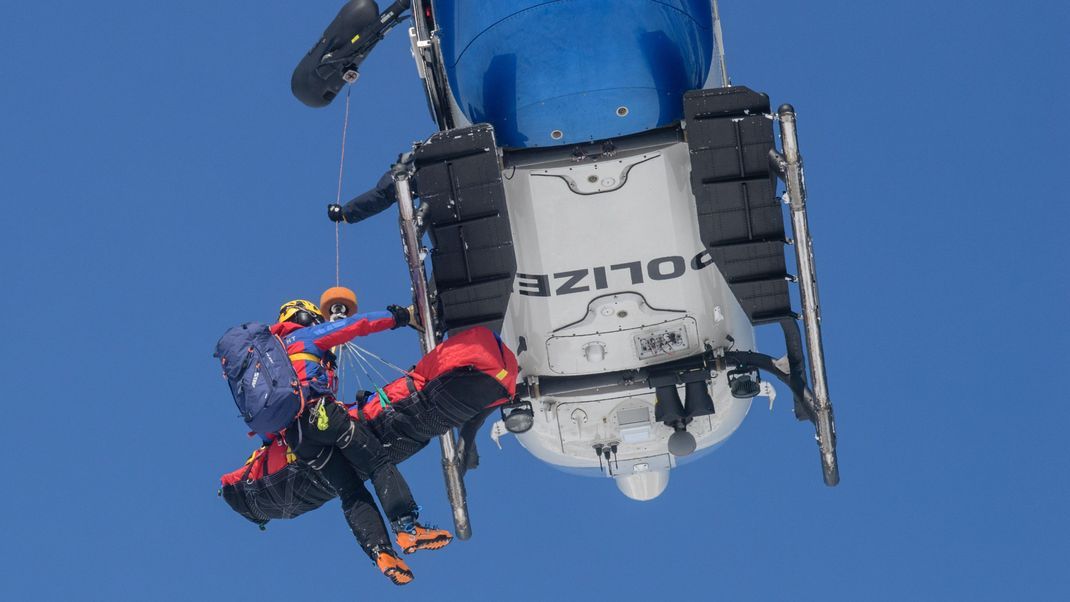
{"x":252,"y":462}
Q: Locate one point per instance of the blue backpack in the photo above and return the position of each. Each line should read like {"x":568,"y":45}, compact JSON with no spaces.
{"x":261,"y":378}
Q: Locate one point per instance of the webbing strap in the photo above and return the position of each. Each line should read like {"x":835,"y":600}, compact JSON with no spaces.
{"x":250,"y":464}
{"x":384,"y":401}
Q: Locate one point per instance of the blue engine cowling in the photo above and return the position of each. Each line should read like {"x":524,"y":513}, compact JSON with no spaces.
{"x":547,"y":73}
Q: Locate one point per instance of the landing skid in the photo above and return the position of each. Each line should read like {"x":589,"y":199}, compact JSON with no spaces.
{"x":733,"y":164}
{"x":788,"y":167}
{"x":462,"y":210}
{"x":452,"y":469}
{"x":822,"y":418}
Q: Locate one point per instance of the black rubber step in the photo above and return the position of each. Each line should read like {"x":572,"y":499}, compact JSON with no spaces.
{"x":458,"y":176}
{"x":741,"y":222}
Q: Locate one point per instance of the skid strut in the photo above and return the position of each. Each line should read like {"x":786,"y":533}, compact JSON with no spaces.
{"x":790,"y":169}
{"x":451,"y":466}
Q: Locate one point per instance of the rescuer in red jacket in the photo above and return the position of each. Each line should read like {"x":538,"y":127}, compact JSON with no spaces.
{"x":343,"y":450}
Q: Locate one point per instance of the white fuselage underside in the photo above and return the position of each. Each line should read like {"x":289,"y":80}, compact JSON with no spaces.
{"x":611,"y":276}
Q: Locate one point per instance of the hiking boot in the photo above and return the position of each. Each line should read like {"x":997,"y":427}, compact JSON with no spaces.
{"x":393,"y":567}
{"x":423,"y":538}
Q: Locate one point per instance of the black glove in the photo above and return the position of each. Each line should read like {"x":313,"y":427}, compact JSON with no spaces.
{"x":334,"y":213}
{"x":402,"y":315}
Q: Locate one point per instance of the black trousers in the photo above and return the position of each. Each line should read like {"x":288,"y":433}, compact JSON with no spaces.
{"x":448,"y":401}
{"x":346,"y":453}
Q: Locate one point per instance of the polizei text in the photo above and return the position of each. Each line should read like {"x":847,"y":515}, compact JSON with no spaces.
{"x":599,"y":278}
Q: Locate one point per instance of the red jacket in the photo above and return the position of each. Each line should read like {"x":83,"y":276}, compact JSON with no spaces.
{"x":476,"y":347}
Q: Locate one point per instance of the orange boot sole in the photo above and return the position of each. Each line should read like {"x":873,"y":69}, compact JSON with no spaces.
{"x":394,"y":568}
{"x":423,"y":539}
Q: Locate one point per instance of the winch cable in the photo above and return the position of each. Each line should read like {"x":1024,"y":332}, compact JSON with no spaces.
{"x":338,"y":196}
{"x":338,"y":233}
{"x":355,"y":352}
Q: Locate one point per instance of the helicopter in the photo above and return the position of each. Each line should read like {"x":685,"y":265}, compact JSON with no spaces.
{"x":601,"y":195}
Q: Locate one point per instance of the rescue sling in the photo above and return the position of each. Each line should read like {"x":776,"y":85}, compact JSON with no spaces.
{"x":272,"y":484}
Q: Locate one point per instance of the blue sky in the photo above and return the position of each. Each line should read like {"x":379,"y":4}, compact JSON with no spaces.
{"x":148,"y":149}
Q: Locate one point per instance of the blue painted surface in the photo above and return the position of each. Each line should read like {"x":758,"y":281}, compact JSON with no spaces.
{"x":530,"y":67}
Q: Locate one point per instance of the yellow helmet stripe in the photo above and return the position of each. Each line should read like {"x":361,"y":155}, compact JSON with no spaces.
{"x":292,"y":307}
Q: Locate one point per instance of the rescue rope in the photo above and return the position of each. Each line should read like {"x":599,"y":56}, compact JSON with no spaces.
{"x":363,"y":364}
{"x":356,"y":350}
{"x":351,"y":353}
{"x":345,"y":359}
{"x":338,"y":196}
{"x":359,"y":356}
{"x":384,"y":400}
{"x":384,"y":362}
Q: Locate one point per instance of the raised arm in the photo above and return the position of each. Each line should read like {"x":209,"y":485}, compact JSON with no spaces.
{"x":372,"y":202}
{"x":330,"y":334}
